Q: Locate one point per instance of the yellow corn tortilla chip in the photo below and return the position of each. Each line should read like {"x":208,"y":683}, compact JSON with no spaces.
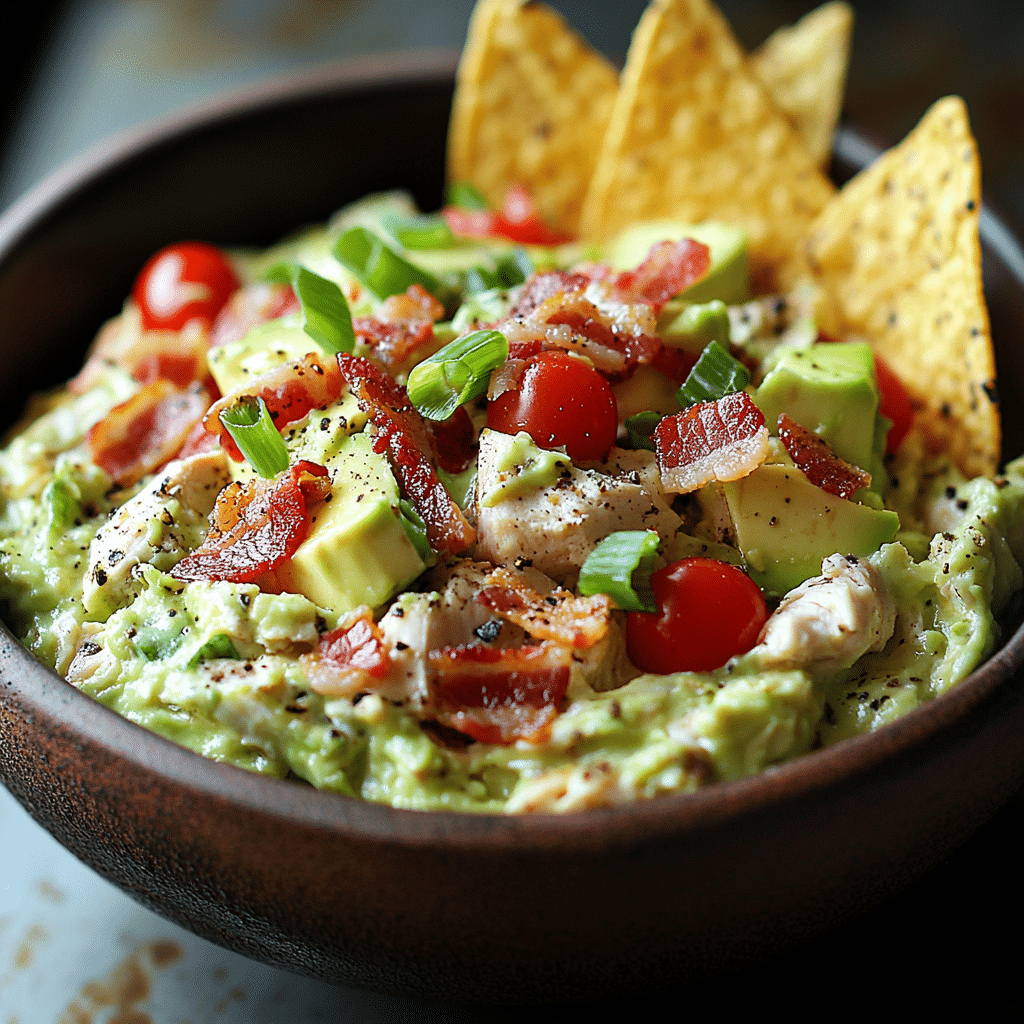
{"x":804,"y":66}
{"x":694,"y":135}
{"x":898,"y":252}
{"x":531,"y":105}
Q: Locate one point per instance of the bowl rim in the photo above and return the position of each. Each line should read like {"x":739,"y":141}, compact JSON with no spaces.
{"x":845,"y":763}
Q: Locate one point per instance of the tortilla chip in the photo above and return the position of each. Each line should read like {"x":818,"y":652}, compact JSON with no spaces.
{"x":694,"y":135}
{"x":531,"y":106}
{"x":804,"y":66}
{"x":898,"y":251}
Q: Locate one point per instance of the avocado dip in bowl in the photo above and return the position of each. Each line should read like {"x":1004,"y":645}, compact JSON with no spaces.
{"x":600,"y":902}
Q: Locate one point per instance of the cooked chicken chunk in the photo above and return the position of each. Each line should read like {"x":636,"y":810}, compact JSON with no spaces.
{"x":828,"y":622}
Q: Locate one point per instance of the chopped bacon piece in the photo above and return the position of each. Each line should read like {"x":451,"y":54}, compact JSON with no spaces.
{"x":577,"y":622}
{"x":138,"y":436}
{"x":818,"y":462}
{"x":168,"y":355}
{"x":256,"y":526}
{"x":250,"y":306}
{"x":675,"y":363}
{"x":723,"y":440}
{"x":668,"y":268}
{"x":544,"y":285}
{"x":349,"y":659}
{"x":402,"y":434}
{"x":453,"y":441}
{"x":404,"y":324}
{"x":290,"y":391}
{"x":500,"y":695}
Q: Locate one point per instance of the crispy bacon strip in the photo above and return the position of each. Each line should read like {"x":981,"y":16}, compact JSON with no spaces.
{"x":138,"y":436}
{"x":818,"y":462}
{"x":500,"y":695}
{"x":290,"y":391}
{"x":256,"y":526}
{"x":249,"y":306}
{"x":668,"y":268}
{"x":350,"y":659}
{"x":723,"y":440}
{"x":577,"y":622}
{"x":401,"y":433}
{"x":404,"y":324}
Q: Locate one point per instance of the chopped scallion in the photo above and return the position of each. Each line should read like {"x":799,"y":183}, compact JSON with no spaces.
{"x":326,"y":316}
{"x":715,"y":375}
{"x":378,"y":266}
{"x":424,"y":232}
{"x":620,"y":566}
{"x":465,"y":196}
{"x":218,"y":646}
{"x":416,"y":530}
{"x":456,"y":374}
{"x":251,"y":426}
{"x":640,"y":428}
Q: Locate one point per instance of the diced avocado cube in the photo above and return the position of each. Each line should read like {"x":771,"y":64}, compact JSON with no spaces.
{"x":785,"y":526}
{"x":695,"y":326}
{"x":830,"y":389}
{"x":357,"y":551}
{"x":728,"y":277}
{"x":262,"y":348}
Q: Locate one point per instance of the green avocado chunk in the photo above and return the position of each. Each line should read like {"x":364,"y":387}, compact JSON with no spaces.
{"x":727,"y":279}
{"x":829,"y":389}
{"x":357,"y":551}
{"x":786,"y":526}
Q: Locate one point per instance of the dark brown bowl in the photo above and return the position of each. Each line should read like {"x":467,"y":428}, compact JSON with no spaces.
{"x":483,"y":908}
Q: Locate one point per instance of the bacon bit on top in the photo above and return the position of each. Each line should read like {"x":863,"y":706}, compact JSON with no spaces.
{"x":818,"y":462}
{"x":256,"y":526}
{"x":500,"y":695}
{"x":723,"y":440}
{"x":560,"y":616}
{"x":402,"y":434}
{"x":290,"y":391}
{"x":404,"y":324}
{"x":250,"y":306}
{"x":453,"y":441}
{"x":350,"y":659}
{"x":138,"y":436}
{"x":668,"y":268}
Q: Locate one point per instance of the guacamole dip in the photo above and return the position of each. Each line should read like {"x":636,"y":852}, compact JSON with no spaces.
{"x":451,"y":521}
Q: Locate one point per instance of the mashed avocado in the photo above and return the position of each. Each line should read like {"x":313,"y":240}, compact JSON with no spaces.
{"x":370,"y":654}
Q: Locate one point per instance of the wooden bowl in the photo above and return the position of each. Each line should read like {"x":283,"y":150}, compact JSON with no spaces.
{"x":457,"y":907}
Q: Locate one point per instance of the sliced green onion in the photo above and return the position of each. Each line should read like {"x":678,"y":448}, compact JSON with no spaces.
{"x":620,"y":566}
{"x":156,"y":644}
{"x":62,"y":506}
{"x":327,"y":318}
{"x":251,"y":426}
{"x":425,"y":232}
{"x":416,"y":530}
{"x":379,"y":267}
{"x":456,"y":374}
{"x":509,"y":269}
{"x":715,"y":375}
{"x":465,"y":196}
{"x":280,"y":273}
{"x":640,"y":428}
{"x":218,"y":646}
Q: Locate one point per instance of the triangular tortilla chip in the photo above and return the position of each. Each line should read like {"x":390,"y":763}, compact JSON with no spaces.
{"x":804,"y":66}
{"x":694,"y":135}
{"x":898,"y":252}
{"x":531,"y":105}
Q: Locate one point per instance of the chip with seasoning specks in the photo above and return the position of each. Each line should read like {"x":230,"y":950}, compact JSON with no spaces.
{"x":695,"y":135}
{"x":898,"y":251}
{"x":804,"y":66}
{"x":531,"y":106}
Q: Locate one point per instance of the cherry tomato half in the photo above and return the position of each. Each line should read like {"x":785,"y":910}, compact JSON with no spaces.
{"x":708,"y":612}
{"x":561,"y":401}
{"x":894,"y":404}
{"x":183,"y":282}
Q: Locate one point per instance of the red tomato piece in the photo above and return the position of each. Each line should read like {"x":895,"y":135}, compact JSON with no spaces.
{"x":895,"y":405}
{"x":183,"y":282}
{"x":518,"y":221}
{"x":561,"y":401}
{"x":708,"y":611}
